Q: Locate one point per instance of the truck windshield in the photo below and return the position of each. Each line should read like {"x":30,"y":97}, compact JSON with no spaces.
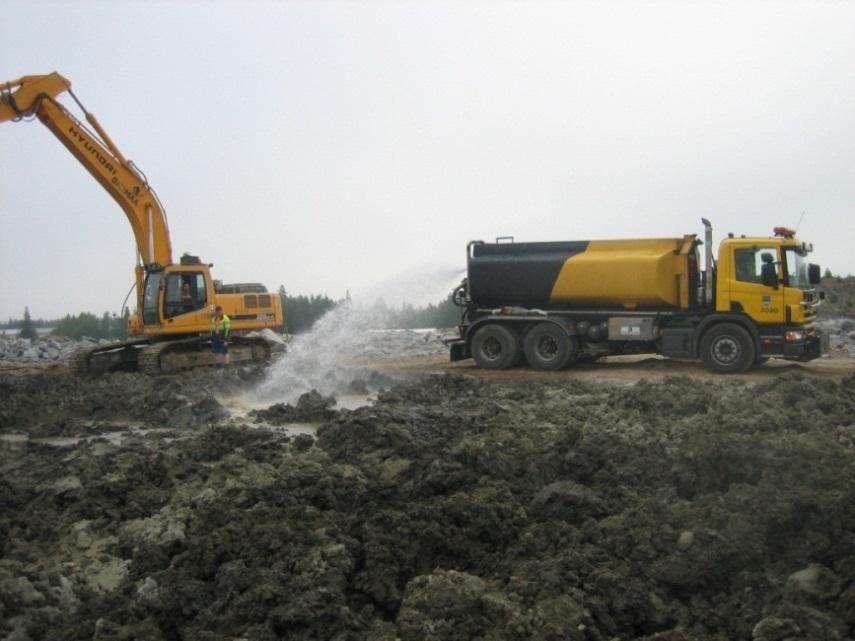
{"x":150,"y":297}
{"x":797,"y":269}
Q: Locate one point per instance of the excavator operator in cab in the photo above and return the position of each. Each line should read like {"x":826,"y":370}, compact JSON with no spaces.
{"x":186,"y":297}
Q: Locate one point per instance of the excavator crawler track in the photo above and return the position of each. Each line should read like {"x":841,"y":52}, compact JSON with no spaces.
{"x":171,"y":356}
{"x":163,"y":357}
{"x":121,"y":355}
{"x":79,"y":361}
{"x":149,"y":360}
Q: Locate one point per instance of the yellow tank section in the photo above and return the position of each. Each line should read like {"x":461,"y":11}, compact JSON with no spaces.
{"x":632,"y":274}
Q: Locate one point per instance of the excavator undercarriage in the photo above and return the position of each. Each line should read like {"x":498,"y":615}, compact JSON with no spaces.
{"x":165,"y":356}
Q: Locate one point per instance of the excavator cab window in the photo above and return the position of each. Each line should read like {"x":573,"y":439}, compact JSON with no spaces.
{"x":200,"y":297}
{"x":151,"y":293}
{"x":185,"y":292}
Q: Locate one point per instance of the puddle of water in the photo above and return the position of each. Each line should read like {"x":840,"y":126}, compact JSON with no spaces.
{"x":239,"y":407}
{"x":113,"y":437}
{"x":353,"y":401}
{"x":292,"y":429}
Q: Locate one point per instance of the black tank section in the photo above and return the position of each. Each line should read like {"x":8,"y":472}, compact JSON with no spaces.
{"x":523,"y":274}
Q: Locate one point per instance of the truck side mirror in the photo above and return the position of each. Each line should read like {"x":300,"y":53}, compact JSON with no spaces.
{"x":814,"y":275}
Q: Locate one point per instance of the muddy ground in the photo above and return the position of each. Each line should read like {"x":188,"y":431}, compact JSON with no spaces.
{"x":593,"y":506}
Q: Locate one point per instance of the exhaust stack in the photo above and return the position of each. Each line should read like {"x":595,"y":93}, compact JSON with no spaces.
{"x":708,"y":259}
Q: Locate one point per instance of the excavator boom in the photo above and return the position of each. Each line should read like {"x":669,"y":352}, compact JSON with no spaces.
{"x":36,"y":96}
{"x":21,"y":95}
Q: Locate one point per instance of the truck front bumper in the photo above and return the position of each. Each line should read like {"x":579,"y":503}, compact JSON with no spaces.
{"x":810,"y":348}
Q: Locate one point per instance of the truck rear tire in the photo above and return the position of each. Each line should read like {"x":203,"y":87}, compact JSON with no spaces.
{"x":495,"y":347}
{"x":727,"y":349}
{"x":547,"y":347}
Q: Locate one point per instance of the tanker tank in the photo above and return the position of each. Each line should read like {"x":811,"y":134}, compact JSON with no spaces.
{"x":624,"y":274}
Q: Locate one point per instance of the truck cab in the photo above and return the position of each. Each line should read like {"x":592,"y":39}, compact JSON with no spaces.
{"x":770,"y":281}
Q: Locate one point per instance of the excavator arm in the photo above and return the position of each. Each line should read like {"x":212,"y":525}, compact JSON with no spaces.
{"x":31,"y":96}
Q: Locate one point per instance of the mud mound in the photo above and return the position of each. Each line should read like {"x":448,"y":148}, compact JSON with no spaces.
{"x":310,"y":407}
{"x":453,"y":508}
{"x":52,"y":403}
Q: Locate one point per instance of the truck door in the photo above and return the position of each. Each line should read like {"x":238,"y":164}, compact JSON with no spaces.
{"x":763,"y":303}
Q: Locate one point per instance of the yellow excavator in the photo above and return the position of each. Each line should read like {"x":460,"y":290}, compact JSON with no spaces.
{"x":169,"y":330}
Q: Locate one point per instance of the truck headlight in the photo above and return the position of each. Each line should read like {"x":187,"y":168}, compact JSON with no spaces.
{"x":794,"y":336}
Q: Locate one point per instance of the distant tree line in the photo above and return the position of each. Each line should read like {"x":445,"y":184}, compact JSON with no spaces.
{"x":18,"y":323}
{"x":442,"y":314}
{"x":301,"y":312}
{"x":83,"y":325}
{"x":109,"y":326}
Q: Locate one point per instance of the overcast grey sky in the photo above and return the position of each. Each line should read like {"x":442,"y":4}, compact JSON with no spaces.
{"x":330,"y":146}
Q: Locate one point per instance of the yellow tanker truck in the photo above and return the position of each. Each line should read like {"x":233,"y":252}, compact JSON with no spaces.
{"x":555,"y":303}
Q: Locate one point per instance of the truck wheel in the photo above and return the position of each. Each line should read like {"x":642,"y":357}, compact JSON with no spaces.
{"x":727,"y":349}
{"x":548,"y":347}
{"x":495,"y":347}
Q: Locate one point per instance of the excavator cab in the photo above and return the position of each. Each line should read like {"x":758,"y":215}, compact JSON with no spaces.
{"x":178,"y":297}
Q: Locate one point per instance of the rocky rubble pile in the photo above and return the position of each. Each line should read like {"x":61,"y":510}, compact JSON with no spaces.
{"x":396,"y":343}
{"x":47,"y":349}
{"x":842,"y":334}
{"x":453,"y":508}
{"x":839,"y":296}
